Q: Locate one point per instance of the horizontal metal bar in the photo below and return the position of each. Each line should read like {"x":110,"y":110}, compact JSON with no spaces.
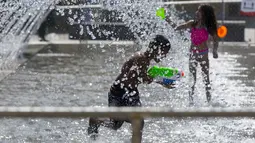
{"x":101,"y":23}
{"x":200,"y":1}
{"x":123,"y":24}
{"x":232,"y":21}
{"x":160,"y":3}
{"x":122,"y":112}
{"x":77,"y":42}
{"x":79,"y":6}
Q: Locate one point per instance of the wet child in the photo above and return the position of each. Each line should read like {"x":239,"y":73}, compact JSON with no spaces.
{"x":124,"y":90}
{"x":203,"y":26}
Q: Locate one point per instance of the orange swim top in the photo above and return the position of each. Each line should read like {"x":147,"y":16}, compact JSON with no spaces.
{"x":199,"y":35}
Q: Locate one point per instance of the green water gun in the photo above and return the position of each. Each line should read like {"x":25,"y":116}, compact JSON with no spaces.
{"x":165,"y":75}
{"x":161,"y":13}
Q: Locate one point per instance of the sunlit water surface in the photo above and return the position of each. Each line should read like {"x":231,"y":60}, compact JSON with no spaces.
{"x":84,"y":79}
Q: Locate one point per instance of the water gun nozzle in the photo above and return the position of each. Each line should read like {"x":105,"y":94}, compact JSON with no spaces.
{"x":182,"y":74}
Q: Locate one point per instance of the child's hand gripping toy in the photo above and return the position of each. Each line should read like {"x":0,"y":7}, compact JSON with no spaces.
{"x":165,"y":75}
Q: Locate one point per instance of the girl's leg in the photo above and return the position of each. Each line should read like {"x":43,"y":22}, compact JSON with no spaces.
{"x":205,"y":72}
{"x":193,"y":74}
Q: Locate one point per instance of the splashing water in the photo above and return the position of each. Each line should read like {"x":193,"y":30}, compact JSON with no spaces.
{"x":19,"y":19}
{"x":140,"y":17}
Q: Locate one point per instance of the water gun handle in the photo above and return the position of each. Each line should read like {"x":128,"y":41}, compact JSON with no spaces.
{"x":165,"y":81}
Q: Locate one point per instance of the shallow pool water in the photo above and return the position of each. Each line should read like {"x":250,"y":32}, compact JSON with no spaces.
{"x":84,"y":78}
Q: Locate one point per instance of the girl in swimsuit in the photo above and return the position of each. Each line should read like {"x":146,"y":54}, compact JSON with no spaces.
{"x":205,"y":24}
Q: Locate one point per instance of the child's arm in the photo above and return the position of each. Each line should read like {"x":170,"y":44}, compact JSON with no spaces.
{"x":170,"y":21}
{"x":185,"y":25}
{"x":146,"y":78}
{"x":180,"y":27}
{"x":215,"y":46}
{"x":137,"y":72}
{"x":144,"y":75}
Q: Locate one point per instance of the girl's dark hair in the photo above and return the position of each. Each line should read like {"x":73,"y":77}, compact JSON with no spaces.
{"x":159,"y":42}
{"x":209,"y":18}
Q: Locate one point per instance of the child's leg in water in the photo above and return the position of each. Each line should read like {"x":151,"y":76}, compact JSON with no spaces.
{"x":205,"y":72}
{"x":193,"y":72}
{"x":113,"y":123}
{"x":95,"y":123}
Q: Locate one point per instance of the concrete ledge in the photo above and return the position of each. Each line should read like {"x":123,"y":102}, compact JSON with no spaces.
{"x":109,"y":42}
{"x":27,"y":53}
{"x":5,"y":73}
{"x":89,"y":42}
{"x":237,"y":44}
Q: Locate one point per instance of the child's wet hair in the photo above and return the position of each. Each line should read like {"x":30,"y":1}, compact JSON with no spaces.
{"x":159,"y":42}
{"x":209,"y":18}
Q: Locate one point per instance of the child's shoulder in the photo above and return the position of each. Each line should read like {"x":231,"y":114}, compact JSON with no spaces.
{"x":137,"y":57}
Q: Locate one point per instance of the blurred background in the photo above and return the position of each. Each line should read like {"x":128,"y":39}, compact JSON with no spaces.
{"x":68,"y":16}
{"x":68,"y":52}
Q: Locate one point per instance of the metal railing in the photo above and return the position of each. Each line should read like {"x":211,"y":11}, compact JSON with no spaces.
{"x":133,"y":113}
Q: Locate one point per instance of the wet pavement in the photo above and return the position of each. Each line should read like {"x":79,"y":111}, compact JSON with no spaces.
{"x":83,"y":77}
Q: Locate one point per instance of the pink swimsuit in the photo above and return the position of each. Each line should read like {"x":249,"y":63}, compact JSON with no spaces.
{"x":198,"y":36}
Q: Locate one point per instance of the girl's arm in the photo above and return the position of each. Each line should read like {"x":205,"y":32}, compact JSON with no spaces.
{"x":215,"y":46}
{"x":170,"y":22}
{"x":180,"y":27}
{"x":185,"y":25}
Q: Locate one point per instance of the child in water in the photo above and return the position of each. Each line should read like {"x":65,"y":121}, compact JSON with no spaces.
{"x":205,"y":24}
{"x":124,"y":90}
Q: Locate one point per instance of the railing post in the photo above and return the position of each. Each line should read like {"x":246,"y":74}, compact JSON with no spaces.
{"x":136,"y":128}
